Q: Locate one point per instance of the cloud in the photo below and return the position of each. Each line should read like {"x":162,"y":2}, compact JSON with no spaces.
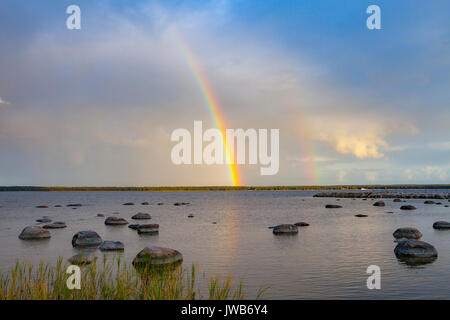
{"x":341,"y":176}
{"x":3,"y":101}
{"x":371,"y":176}
{"x":410,"y":174}
{"x":435,"y":172}
{"x":443,"y":145}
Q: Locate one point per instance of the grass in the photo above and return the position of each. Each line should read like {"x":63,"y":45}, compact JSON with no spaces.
{"x":112,"y":280}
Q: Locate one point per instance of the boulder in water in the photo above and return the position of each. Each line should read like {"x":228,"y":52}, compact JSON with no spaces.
{"x":82,"y":259}
{"x":128,"y":204}
{"x":429,"y":202}
{"x":332,"y":206}
{"x":157,"y":256}
{"x":44,"y":220}
{"x":115,"y":221}
{"x":397,"y":200}
{"x":301,"y":224}
{"x":359,"y":215}
{"x":379,"y":204}
{"x":148,"y":228}
{"x":285,"y":229}
{"x":42,"y":207}
{"x":133,"y":226}
{"x":408,"y":207}
{"x":34,"y":233}
{"x":441,"y":225}
{"x":141,"y":216}
{"x":112,"y":246}
{"x":145,"y":203}
{"x":74,"y":205}
{"x":415,"y":252}
{"x":55,"y":225}
{"x":407,"y":233}
{"x":86,"y":239}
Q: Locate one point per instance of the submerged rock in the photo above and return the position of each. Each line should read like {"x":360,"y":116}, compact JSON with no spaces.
{"x":285,"y":229}
{"x":415,"y":252}
{"x":44,"y":220}
{"x":100,"y":215}
{"x":148,"y":228}
{"x":157,"y":256}
{"x":55,"y":225}
{"x":145,"y":203}
{"x":133,"y":226}
{"x":332,"y":206}
{"x":58,"y":206}
{"x":74,"y":205}
{"x":408,"y":207}
{"x":86,"y":239}
{"x":408,"y":233}
{"x":361,"y":215}
{"x":160,"y":203}
{"x":397,"y":200}
{"x":42,"y":207}
{"x":301,"y":224}
{"x":190,"y":215}
{"x":141,"y":216}
{"x":34,"y":233}
{"x":441,"y":225}
{"x":429,"y":202}
{"x":128,"y":204}
{"x":379,"y":204}
{"x":112,"y":246}
{"x":82,"y":259}
{"x":115,"y":221}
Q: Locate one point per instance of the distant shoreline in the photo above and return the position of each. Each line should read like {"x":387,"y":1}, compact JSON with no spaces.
{"x":224,"y":188}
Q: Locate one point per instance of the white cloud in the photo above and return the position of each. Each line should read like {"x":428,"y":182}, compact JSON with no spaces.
{"x":341,"y":176}
{"x":410,"y":174}
{"x":435,"y":172}
{"x":371,"y":176}
{"x":443,"y":145}
{"x":3,"y":101}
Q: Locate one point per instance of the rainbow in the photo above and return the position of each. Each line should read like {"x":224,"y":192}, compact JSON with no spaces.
{"x":212,"y":103}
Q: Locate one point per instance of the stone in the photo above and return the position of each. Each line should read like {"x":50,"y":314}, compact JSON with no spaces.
{"x":42,"y":207}
{"x":100,"y":215}
{"x":115,"y":221}
{"x":82,"y":259}
{"x":361,"y":215}
{"x":148,"y":228}
{"x":157,"y":256}
{"x":141,"y":216}
{"x":441,"y":225}
{"x":408,"y":233}
{"x":379,"y":204}
{"x":301,"y":224}
{"x":332,"y":206}
{"x":429,"y":202}
{"x":145,"y":203}
{"x":34,"y":233}
{"x":128,"y":204}
{"x":285,"y":229}
{"x":86,"y":239}
{"x":190,"y":215}
{"x":133,"y":226}
{"x":415,"y":249}
{"x":112,"y":246}
{"x":397,"y":200}
{"x":55,"y":225}
{"x":74,"y":205}
{"x":160,"y":203}
{"x":408,"y":207}
{"x":44,"y":220}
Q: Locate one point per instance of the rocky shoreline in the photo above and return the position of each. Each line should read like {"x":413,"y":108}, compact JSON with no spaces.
{"x":381,"y":195}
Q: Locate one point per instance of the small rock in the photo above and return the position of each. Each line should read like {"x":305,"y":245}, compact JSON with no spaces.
{"x":86,"y":239}
{"x":429,"y":202}
{"x":438,"y":203}
{"x":58,"y":206}
{"x":141,"y":216}
{"x":74,"y":205}
{"x":361,"y":215}
{"x":42,"y":207}
{"x":379,"y":204}
{"x":407,"y":233}
{"x":112,"y":246}
{"x":160,"y":203}
{"x":133,"y":226}
{"x":148,"y":228}
{"x":157,"y":256}
{"x":332,"y":206}
{"x":408,"y":207}
{"x":100,"y":215}
{"x":190,"y":215}
{"x":82,"y":259}
{"x":397,"y":200}
{"x":301,"y":224}
{"x":55,"y":225}
{"x":128,"y":204}
{"x":115,"y":221}
{"x":44,"y":220}
{"x":285,"y":229}
{"x":34,"y":233}
{"x":441,"y":225}
{"x":145,"y":203}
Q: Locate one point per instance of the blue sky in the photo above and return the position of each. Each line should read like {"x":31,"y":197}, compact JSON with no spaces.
{"x":96,"y":106}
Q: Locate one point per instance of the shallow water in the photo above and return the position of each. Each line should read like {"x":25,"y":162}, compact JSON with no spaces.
{"x":326,"y":260}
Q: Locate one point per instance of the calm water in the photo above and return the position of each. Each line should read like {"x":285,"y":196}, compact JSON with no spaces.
{"x":328,"y":259}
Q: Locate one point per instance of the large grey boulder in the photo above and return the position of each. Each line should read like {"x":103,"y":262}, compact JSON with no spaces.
{"x":415,"y":249}
{"x":86,"y":239}
{"x":407,"y":233}
{"x":157,"y":256}
{"x":34,"y":233}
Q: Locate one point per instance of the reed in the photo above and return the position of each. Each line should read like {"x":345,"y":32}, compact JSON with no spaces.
{"x":112,"y":280}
